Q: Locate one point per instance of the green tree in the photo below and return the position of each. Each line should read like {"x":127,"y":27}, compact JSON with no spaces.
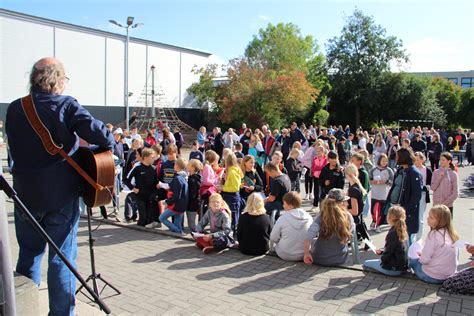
{"x":280,"y":47}
{"x":466,"y":111}
{"x":404,"y":96}
{"x":357,"y":59}
{"x":257,"y":95}
{"x":448,"y":96}
{"x":204,"y":89}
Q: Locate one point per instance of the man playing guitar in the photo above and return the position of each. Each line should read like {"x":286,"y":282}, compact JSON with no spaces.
{"x":47,"y":184}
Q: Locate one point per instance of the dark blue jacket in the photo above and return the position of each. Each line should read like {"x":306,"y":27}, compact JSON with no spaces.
{"x":296,"y":136}
{"x":412,"y":187}
{"x":42,"y":181}
{"x":180,"y":194}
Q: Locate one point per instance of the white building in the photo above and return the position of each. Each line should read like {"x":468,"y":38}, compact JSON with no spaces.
{"x":94,"y":62}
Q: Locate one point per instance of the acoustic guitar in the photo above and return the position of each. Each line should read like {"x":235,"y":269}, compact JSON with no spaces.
{"x":99,"y":165}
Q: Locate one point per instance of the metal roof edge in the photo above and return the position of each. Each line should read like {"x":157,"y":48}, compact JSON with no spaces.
{"x":85,"y":29}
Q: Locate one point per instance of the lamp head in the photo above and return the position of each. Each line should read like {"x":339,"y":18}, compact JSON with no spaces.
{"x":130,"y":20}
{"x":115,"y":23}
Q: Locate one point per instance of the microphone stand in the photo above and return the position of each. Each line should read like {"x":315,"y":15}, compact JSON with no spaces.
{"x":10,"y":192}
{"x":94,"y":276}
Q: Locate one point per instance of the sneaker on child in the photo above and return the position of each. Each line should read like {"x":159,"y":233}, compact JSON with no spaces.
{"x":207,"y":249}
{"x":153,"y":225}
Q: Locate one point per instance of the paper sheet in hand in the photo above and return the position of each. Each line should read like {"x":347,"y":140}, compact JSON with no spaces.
{"x":414,"y":249}
{"x":163,"y":185}
{"x":197,"y":235}
{"x":370,"y":245}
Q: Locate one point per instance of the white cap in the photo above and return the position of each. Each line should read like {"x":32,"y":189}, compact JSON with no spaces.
{"x":118,"y":131}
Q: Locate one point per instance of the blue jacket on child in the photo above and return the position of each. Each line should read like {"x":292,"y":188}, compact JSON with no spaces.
{"x":179,"y":190}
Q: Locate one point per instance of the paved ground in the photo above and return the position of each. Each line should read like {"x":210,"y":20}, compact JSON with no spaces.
{"x":158,"y":274}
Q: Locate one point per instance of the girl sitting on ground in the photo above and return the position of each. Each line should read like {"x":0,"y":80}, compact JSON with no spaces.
{"x":333,"y":228}
{"x":254,"y":227}
{"x":218,"y":218}
{"x":439,"y":258}
{"x":394,"y":255}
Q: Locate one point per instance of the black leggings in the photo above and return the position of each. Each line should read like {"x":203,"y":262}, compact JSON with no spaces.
{"x":317,"y":191}
{"x":308,"y":181}
{"x":434,"y":164}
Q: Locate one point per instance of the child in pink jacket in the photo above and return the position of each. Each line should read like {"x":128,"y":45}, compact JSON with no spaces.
{"x":444,"y":182}
{"x":439,"y":258}
{"x":319,"y":162}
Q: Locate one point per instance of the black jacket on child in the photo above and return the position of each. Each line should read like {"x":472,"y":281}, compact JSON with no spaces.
{"x":145,"y":181}
{"x":394,"y":256}
{"x":251,"y":179}
{"x":194,"y":183}
{"x":294,"y":168}
{"x":335,"y":177}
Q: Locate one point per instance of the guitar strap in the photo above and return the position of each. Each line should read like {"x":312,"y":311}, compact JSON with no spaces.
{"x":49,"y":145}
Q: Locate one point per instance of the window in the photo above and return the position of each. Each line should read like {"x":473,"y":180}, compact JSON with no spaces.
{"x":467,"y":83}
{"x":453,"y":80}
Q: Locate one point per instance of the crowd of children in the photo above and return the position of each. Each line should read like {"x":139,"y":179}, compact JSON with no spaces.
{"x":243,"y":191}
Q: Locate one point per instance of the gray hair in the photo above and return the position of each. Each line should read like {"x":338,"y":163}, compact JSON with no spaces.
{"x":48,"y":78}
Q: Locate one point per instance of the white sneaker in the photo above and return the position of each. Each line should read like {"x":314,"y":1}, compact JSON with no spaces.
{"x":310,"y":196}
{"x":153,"y":225}
{"x":307,"y":197}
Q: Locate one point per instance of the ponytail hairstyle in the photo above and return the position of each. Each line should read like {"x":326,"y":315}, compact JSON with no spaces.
{"x":396,"y":217}
{"x":334,"y":221}
{"x":449,"y":158}
{"x":352,"y":172}
{"x":443,"y":215}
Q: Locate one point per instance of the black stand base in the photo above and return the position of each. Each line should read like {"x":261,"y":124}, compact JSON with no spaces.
{"x":94,"y":276}
{"x":5,"y":186}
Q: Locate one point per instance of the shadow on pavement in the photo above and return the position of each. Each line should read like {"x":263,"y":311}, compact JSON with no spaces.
{"x":249,"y":268}
{"x":288,"y":276}
{"x":172,"y":255}
{"x":340,"y":288}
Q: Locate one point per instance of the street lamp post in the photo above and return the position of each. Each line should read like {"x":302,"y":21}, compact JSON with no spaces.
{"x":126,"y":96}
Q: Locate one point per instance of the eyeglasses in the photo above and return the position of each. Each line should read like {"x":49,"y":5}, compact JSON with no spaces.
{"x":67,"y":78}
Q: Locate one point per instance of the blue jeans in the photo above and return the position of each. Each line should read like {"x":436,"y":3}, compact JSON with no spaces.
{"x":233,"y":200}
{"x":366,"y":209}
{"x":61,"y":225}
{"x":417,"y":268}
{"x":392,"y":164}
{"x":275,"y":205}
{"x":375,"y":264}
{"x":175,"y":227}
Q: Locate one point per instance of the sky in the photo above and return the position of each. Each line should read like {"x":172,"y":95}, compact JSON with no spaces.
{"x":437,"y":34}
